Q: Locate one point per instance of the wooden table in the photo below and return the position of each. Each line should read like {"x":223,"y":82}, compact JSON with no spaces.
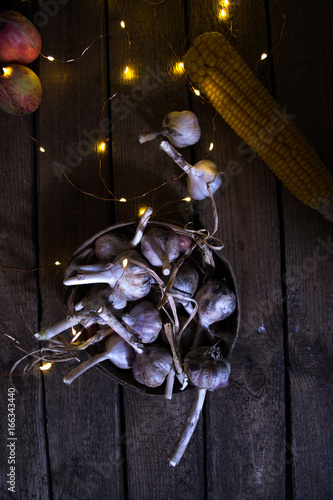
{"x":268,"y":435}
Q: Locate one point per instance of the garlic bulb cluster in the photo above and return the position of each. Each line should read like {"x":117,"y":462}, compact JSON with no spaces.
{"x":206,"y":368}
{"x":152,"y":368}
{"x":180,"y":127}
{"x":203,"y":178}
{"x":149,"y":302}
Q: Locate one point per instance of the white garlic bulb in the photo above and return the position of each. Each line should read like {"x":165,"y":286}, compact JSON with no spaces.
{"x":130,"y":279}
{"x":117,"y":350}
{"x":180,"y":127}
{"x":144,"y":320}
{"x":109,"y":245}
{"x":215,"y":301}
{"x":160,"y":246}
{"x":199,"y":176}
{"x":184,"y":129}
{"x":151,"y":368}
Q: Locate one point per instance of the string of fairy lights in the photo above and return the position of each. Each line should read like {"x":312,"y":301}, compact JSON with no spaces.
{"x":226,"y":13}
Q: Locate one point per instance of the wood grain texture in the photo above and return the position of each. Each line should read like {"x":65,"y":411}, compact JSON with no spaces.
{"x":83,"y":421}
{"x":19,"y":311}
{"x":303,"y":75}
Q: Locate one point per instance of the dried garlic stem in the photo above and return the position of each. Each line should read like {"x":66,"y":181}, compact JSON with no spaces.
{"x":68,"y":379}
{"x":198,"y":335}
{"x":102,"y":275}
{"x":149,"y":137}
{"x":169,"y":384}
{"x":141,"y":227}
{"x":191,"y":422}
{"x":113,"y":323}
{"x":82,"y":319}
{"x":171,"y":340}
{"x":175,"y":155}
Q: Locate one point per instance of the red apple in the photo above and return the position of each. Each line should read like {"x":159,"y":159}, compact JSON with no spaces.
{"x":20,"y":89}
{"x":20,"y":40}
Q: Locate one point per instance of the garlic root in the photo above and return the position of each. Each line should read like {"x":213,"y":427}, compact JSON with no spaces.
{"x":190,"y":425}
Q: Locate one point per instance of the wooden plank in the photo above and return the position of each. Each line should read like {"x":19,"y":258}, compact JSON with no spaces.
{"x":303,"y":75}
{"x":152,"y":425}
{"x":19,"y":313}
{"x":83,"y":422}
{"x":245,"y":428}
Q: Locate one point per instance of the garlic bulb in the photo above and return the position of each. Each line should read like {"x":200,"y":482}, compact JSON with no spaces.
{"x":119,"y":352}
{"x":116,"y":300}
{"x":185,"y":283}
{"x":144,"y":320}
{"x":187,"y":337}
{"x":131,"y":280}
{"x":180,"y":127}
{"x":200,"y":175}
{"x":215,"y":301}
{"x":183,"y":128}
{"x":160,"y":246}
{"x":109,"y":245}
{"x":206,"y":368}
{"x":152,"y":368}
{"x":185,"y":242}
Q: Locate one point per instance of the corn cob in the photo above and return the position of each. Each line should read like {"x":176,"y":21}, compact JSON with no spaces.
{"x":215,"y":67}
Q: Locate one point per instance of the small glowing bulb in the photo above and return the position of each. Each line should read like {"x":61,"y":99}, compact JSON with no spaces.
{"x":226,"y":3}
{"x":196,"y":91}
{"x":46,"y":366}
{"x":125,"y":263}
{"x":73,"y":331}
{"x":102,"y":147}
{"x":57,"y":263}
{"x":142,"y":211}
{"x":128,"y":73}
{"x":50,"y":58}
{"x":7,"y":71}
{"x":123,"y":200}
{"x":263,"y":56}
{"x":42,"y":150}
{"x":211,"y":146}
{"x":178,"y":68}
{"x":223,"y":14}
{"x":122,"y":24}
{"x":188,"y":199}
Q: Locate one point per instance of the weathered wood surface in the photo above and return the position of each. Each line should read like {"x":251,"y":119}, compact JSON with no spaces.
{"x":268,"y":435}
